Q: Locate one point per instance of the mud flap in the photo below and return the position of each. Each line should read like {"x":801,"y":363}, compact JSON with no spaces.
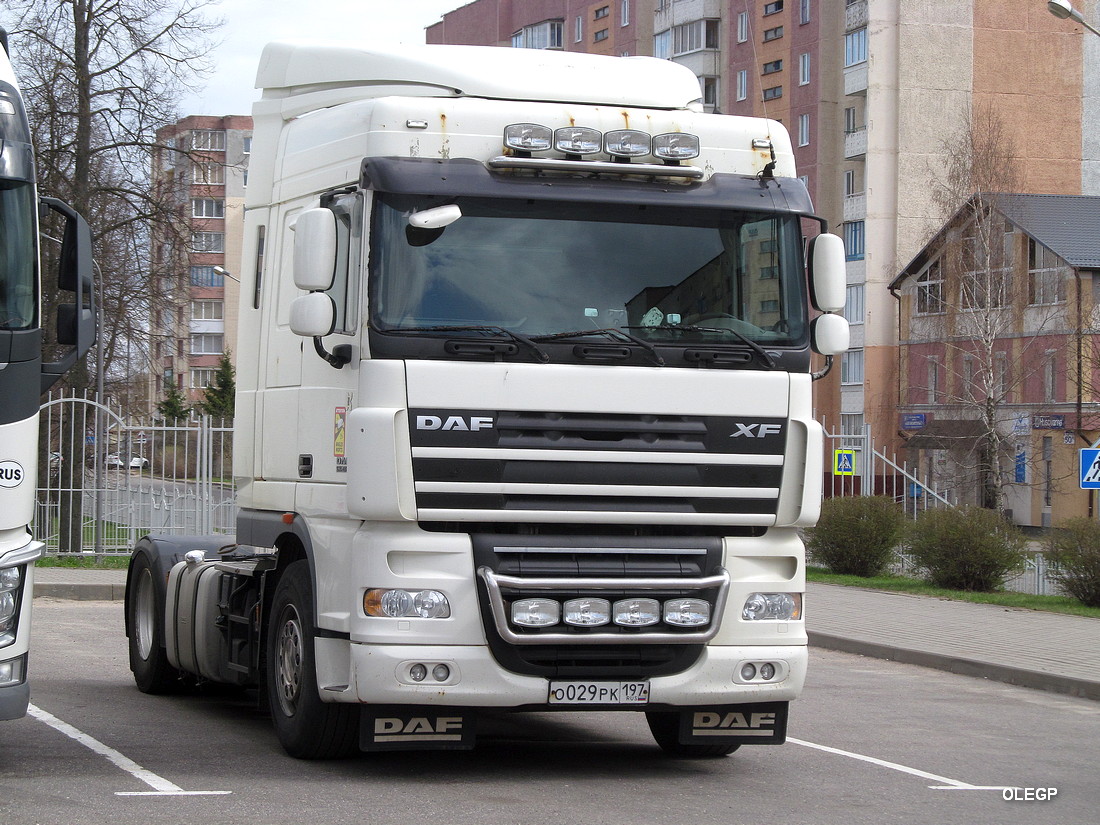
{"x":401,"y":727}
{"x":762,"y":723}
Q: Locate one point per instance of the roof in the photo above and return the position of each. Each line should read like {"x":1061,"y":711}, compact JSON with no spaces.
{"x":1068,"y":225}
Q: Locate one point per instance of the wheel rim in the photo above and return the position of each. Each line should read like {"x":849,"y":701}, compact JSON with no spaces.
{"x":288,"y":661}
{"x":145,"y":621}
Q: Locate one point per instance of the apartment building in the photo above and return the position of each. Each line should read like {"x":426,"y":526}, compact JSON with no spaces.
{"x":873,"y":93}
{"x":203,"y":166}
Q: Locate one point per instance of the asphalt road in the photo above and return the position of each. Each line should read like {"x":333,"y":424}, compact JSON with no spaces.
{"x":870,"y":742}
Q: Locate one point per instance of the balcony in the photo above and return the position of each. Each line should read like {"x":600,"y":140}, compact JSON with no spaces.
{"x":855,"y":143}
{"x":855,"y":15}
{"x":855,"y":79}
{"x":855,"y":207}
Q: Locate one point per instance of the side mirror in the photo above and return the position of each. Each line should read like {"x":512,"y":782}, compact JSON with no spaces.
{"x":830,"y":334}
{"x":828,"y":280}
{"x":313,"y":315}
{"x":76,"y":322}
{"x":435,"y":218}
{"x":315,"y":249}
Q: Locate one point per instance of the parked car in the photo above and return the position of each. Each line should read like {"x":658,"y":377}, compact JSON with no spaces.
{"x":139,"y":463}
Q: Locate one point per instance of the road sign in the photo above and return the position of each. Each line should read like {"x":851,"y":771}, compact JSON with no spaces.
{"x":844,"y":462}
{"x":1090,"y":468}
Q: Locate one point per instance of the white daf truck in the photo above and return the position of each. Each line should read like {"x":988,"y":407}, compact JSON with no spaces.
{"x":23,"y":375}
{"x":524,"y":412}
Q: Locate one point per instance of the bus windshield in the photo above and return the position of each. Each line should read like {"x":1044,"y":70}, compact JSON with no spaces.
{"x":669,"y":276}
{"x":18,"y":276}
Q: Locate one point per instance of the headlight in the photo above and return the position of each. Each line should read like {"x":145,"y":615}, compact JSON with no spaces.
{"x":587,"y":612}
{"x":528,"y":137}
{"x":676,"y":146}
{"x":535,"y":612}
{"x":687,"y":612}
{"x":10,"y":577}
{"x":780,"y":607}
{"x":636,"y":612}
{"x":626,"y":143}
{"x":578,"y":140}
{"x":394,"y":603}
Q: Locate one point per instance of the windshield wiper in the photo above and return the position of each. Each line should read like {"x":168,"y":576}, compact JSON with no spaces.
{"x":769,"y":362}
{"x":539,"y":352}
{"x":611,"y":332}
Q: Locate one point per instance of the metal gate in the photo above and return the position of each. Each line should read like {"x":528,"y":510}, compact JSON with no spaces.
{"x":105,"y":479}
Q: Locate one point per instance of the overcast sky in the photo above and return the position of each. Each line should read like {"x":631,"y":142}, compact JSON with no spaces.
{"x":250,"y":24}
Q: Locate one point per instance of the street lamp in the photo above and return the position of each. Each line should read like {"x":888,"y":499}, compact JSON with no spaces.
{"x":222,"y":272}
{"x":1062,"y":9}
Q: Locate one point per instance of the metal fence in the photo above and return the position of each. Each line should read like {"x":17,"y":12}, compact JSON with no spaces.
{"x":107,"y":479}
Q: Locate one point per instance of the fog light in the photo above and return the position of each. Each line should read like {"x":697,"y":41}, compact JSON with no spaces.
{"x":772,"y":606}
{"x":535,"y":612}
{"x":11,"y":672}
{"x":441,"y":673}
{"x":748,"y":672}
{"x":528,"y":137}
{"x":636,"y":612}
{"x":578,"y":140}
{"x":676,"y":146}
{"x":418,"y":673}
{"x":626,"y":143}
{"x":767,"y":671}
{"x":687,"y":612}
{"x":587,"y":612}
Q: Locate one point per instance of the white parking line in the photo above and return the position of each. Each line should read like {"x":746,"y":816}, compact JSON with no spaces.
{"x":160,"y":785}
{"x":946,"y":784}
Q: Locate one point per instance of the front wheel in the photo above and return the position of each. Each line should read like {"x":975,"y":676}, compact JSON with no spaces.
{"x":153,"y":673}
{"x":307,"y":727}
{"x":665,"y":728}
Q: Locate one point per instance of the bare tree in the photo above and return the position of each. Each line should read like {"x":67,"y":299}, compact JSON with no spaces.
{"x":99,"y":77}
{"x":994,"y":337}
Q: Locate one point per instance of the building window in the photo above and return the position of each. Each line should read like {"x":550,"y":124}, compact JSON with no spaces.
{"x":933,"y":367}
{"x":1045,"y":281}
{"x":693,"y":37}
{"x":804,"y":11}
{"x":209,"y":140}
{"x":854,"y":240}
{"x":202,"y":377}
{"x":662,"y":45}
{"x":804,"y":69}
{"x":930,"y":291}
{"x":624,"y":13}
{"x":804,"y":130}
{"x":709,"y":88}
{"x":246,"y":144}
{"x":855,"y":47}
{"x":600,"y":35}
{"x":773,"y":93}
{"x":207,"y":310}
{"x":602,"y":12}
{"x":207,"y":208}
{"x":212,"y":174}
{"x":1050,"y":376}
{"x":578,"y":29}
{"x":544,"y":35}
{"x":773,"y":67}
{"x":206,"y":343}
{"x":742,"y":84}
{"x":208,"y":242}
{"x":850,"y":119}
{"x":206,"y":276}
{"x":773,"y":34}
{"x":850,"y":183}
{"x":773,"y":8}
{"x":853,"y":304}
{"x":851,"y":367}
{"x":742,"y":26}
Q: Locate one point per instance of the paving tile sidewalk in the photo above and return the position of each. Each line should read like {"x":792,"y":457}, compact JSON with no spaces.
{"x":1049,"y":651}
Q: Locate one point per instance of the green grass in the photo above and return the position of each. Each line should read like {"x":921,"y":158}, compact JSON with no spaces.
{"x":903,"y":584}
{"x":85,"y":562}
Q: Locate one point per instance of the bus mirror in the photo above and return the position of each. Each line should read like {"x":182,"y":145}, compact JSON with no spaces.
{"x":315,"y":249}
{"x":830,"y":334}
{"x":74,"y":272}
{"x":828,"y":281}
{"x":313,"y":315}
{"x":67,"y":331}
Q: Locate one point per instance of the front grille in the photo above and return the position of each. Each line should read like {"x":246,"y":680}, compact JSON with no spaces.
{"x":489,"y":466}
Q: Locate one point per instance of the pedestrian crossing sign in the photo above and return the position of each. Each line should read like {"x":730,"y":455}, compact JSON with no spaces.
{"x":1090,"y":468}
{"x":844,"y":463}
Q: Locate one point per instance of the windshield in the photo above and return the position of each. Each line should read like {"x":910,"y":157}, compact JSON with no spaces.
{"x":537,"y":269}
{"x":18,"y":296}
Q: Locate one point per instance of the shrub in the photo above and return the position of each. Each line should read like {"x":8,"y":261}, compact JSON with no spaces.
{"x":966,"y":548}
{"x":1075,"y":552}
{"x":856,"y":535}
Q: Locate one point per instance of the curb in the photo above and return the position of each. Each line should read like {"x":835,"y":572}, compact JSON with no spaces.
{"x":88,"y":592}
{"x":1051,"y":682}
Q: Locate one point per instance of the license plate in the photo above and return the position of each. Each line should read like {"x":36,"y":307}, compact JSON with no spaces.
{"x":599,"y":693}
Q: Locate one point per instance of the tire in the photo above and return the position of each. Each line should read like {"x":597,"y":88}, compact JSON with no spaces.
{"x":153,"y":673}
{"x":665,"y":727}
{"x":307,"y":727}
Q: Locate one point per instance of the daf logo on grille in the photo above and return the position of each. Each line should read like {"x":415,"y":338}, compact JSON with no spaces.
{"x":462,"y":423}
{"x":756,"y":430}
